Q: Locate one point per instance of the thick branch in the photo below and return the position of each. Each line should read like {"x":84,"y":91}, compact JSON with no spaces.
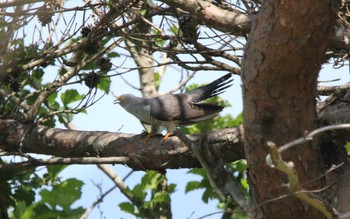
{"x":215,"y":17}
{"x":30,"y":138}
{"x":238,"y":23}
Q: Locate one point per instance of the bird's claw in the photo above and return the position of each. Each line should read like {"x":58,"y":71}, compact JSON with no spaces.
{"x":166,"y":137}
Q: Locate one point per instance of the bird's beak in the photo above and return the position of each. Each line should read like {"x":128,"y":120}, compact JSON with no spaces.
{"x":118,"y":100}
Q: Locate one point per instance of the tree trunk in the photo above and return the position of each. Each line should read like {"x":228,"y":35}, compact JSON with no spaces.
{"x":283,"y":56}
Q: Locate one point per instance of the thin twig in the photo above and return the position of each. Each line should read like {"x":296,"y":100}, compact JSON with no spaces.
{"x":72,"y":160}
{"x":121,"y":185}
{"x":179,"y":85}
{"x":100,"y":199}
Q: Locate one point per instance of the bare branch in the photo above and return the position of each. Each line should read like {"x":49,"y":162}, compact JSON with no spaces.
{"x":183,"y":82}
{"x":216,"y":17}
{"x":62,"y":160}
{"x":119,"y":182}
{"x":328,"y":90}
{"x":100,"y":199}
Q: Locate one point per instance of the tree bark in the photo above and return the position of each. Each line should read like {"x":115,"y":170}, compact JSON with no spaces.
{"x":156,"y":154}
{"x":283,"y":56}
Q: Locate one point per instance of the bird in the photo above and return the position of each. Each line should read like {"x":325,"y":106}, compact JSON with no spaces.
{"x":173,"y":110}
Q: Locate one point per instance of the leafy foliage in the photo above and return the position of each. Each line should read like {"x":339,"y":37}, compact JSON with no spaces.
{"x":149,"y":195}
{"x":27,"y":193}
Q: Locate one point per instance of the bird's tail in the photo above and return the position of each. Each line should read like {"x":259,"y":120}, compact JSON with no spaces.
{"x":213,"y":89}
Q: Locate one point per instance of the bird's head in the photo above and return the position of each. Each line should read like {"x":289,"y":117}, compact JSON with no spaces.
{"x":124,"y":98}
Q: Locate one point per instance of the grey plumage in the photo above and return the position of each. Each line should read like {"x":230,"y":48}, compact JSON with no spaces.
{"x":173,"y":110}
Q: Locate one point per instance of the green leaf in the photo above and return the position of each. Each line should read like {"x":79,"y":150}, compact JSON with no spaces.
{"x":72,"y":189}
{"x":245,"y":184}
{"x":239,"y":119}
{"x":127,"y":207}
{"x":31,"y":100}
{"x":48,"y":198}
{"x":161,"y":197}
{"x":150,"y":180}
{"x":113,"y":55}
{"x":25,"y":194}
{"x":52,"y":97}
{"x":192,"y":185}
{"x":138,"y":191}
{"x":54,"y":170}
{"x":160,"y":42}
{"x":143,"y":12}
{"x":197,"y":171}
{"x":19,"y":209}
{"x":347,"y":147}
{"x":207,"y":194}
{"x":239,"y":165}
{"x":70,"y":96}
{"x":171,"y":188}
{"x":62,"y":71}
{"x":51,"y":102}
{"x":174,"y":29}
{"x":62,"y":194}
{"x":104,"y":85}
{"x":204,"y":183}
{"x":38,"y":210}
{"x":38,"y":75}
{"x":157,"y":79}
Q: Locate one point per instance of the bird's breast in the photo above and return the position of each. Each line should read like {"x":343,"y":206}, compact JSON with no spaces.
{"x":143,"y":113}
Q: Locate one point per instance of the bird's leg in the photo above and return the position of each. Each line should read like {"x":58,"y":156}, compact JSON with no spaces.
{"x":170,"y":129}
{"x":149,"y":136}
{"x":166,"y":136}
{"x":153,"y":131}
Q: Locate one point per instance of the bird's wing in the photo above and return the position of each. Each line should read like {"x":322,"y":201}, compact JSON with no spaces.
{"x":178,"y":108}
{"x":168,"y":107}
{"x":200,"y":112}
{"x":210,"y":90}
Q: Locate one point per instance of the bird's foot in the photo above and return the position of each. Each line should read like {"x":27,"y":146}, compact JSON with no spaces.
{"x":149,"y":135}
{"x":167,"y":135}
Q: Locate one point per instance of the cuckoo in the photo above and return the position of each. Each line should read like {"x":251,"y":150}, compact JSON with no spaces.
{"x":172,"y":110}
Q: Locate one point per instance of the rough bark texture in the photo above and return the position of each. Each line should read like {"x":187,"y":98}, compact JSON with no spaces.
{"x":282,"y":59}
{"x":172,"y":154}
